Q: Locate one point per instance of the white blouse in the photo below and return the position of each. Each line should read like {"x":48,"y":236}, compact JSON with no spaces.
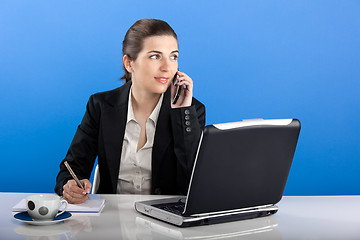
{"x":135,"y":166}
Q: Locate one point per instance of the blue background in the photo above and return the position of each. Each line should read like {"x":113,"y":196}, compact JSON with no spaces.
{"x":248,"y":59}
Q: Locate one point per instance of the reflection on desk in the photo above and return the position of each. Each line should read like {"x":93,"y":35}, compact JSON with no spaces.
{"x":298,"y":218}
{"x":51,"y":232}
{"x":261,"y":228}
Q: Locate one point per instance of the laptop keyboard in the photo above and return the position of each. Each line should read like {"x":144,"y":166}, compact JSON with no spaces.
{"x":176,"y":208}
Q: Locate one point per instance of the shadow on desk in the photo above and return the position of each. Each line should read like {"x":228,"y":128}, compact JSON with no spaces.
{"x":261,"y":228}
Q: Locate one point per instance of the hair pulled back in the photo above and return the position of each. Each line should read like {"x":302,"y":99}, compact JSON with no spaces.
{"x":137,"y":33}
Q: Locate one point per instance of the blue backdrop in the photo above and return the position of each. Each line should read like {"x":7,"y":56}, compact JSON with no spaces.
{"x":248,"y":59}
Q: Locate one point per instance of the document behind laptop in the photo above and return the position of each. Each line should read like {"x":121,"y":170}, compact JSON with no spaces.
{"x":240,"y":172}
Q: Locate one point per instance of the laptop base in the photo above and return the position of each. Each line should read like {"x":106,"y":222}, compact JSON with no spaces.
{"x":147,"y":208}
{"x":230,"y":218}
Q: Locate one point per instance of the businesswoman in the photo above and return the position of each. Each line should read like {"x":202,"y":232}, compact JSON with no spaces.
{"x":145,"y":143}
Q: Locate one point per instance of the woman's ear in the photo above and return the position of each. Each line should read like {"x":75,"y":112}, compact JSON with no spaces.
{"x":127,"y":63}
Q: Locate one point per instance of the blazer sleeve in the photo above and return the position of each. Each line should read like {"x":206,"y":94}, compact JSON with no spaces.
{"x":187,"y":125}
{"x":83,"y":148}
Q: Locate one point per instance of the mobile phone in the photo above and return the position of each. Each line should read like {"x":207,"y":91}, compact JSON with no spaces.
{"x":177,"y":93}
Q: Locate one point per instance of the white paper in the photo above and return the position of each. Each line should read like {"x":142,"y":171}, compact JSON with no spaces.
{"x":89,"y":206}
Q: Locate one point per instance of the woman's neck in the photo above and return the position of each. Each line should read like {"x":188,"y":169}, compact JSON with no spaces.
{"x":143,"y":101}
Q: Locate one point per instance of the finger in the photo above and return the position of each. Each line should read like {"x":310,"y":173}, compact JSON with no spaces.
{"x":187,"y":84}
{"x":87,"y":185}
{"x":74,"y":197}
{"x":181,"y":74}
{"x":185,"y":80}
{"x":76,"y":189}
{"x":70,"y":197}
{"x":74,"y":200}
{"x":71,"y":183}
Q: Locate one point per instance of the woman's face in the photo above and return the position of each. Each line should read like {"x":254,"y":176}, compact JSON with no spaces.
{"x":156,"y":64}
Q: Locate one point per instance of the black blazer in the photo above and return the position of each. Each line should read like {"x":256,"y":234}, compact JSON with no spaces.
{"x":101,"y":135}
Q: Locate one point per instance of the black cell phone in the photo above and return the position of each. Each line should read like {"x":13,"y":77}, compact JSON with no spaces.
{"x":177,"y":93}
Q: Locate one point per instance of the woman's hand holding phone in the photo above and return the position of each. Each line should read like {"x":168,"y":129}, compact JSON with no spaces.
{"x":181,"y":90}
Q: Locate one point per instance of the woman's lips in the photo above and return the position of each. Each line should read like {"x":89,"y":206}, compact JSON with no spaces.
{"x":162,"y":80}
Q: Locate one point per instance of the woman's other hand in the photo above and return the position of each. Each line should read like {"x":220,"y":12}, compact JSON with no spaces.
{"x":186,"y":91}
{"x":74,"y":194}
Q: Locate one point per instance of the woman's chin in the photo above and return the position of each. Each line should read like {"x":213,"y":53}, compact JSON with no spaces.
{"x":161,"y":89}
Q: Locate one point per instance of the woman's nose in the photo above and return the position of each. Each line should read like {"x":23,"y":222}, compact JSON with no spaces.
{"x":165,"y":65}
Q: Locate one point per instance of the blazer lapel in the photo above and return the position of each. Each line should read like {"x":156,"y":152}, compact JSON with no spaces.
{"x":162,"y":136}
{"x":113,"y":125}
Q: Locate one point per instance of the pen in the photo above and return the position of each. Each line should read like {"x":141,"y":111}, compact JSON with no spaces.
{"x":75,"y":177}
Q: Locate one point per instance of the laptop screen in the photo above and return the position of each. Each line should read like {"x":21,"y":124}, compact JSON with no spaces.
{"x":242,"y":165}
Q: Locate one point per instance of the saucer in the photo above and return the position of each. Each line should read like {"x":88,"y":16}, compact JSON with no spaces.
{"x":24,"y":217}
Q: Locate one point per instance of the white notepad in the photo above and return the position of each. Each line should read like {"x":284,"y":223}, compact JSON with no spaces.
{"x":89,"y":206}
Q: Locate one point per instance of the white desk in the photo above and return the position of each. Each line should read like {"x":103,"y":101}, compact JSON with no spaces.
{"x":298,"y":218}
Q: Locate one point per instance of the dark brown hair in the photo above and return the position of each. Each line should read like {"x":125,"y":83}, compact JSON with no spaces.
{"x":135,"y":36}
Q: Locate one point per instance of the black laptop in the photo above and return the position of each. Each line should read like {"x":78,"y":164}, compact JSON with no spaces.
{"x":240,"y":172}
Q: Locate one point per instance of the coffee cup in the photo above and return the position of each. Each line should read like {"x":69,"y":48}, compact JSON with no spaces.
{"x":45,"y":207}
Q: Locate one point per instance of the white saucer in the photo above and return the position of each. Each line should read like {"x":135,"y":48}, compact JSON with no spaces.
{"x":24,"y":217}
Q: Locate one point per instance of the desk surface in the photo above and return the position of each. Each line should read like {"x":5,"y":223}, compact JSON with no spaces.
{"x":335,"y":217}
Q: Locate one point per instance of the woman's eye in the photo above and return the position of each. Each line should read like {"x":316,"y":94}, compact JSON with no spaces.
{"x":174,"y":57}
{"x":154,"y":57}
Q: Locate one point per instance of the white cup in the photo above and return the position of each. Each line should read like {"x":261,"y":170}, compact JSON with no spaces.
{"x":44,"y":207}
